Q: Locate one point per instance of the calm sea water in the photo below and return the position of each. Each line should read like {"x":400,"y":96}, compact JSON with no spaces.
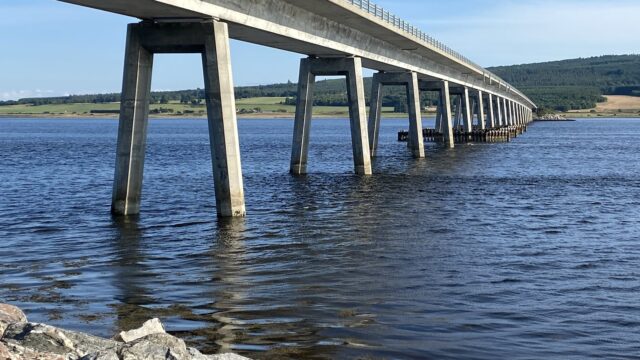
{"x":520,"y":250}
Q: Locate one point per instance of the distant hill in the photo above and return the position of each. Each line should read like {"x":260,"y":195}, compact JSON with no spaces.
{"x":558,"y":85}
{"x":576,"y":83}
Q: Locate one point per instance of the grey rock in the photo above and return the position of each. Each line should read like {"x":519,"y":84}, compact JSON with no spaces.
{"x":155,"y":347}
{"x":16,"y":352}
{"x":39,"y":338}
{"x":196,"y":355}
{"x":48,"y":339}
{"x":10,"y":314}
{"x":228,"y":356}
{"x":87,"y":344}
{"x":102,"y":355}
{"x":153,"y":326}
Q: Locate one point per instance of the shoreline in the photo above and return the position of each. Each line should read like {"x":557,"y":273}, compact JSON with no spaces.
{"x":286,"y":116}
{"x":24,"y":340}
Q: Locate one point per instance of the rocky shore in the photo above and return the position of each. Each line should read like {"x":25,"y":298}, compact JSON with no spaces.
{"x":23,"y":340}
{"x":552,"y":117}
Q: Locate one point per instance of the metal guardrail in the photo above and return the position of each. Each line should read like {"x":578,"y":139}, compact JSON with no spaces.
{"x":397,"y":22}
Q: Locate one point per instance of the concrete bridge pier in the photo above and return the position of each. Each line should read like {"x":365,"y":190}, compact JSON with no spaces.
{"x":512,"y":115}
{"x":457,"y":121}
{"x":211,"y":39}
{"x":438,"y":125}
{"x":444,"y":121}
{"x":351,"y":67}
{"x":466,"y":111}
{"x":445,"y":101}
{"x":505,"y":112}
{"x":491,"y":116}
{"x":480,"y":110}
{"x":410,"y":81}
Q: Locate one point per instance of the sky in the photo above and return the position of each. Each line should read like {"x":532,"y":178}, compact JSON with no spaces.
{"x":50,"y":48}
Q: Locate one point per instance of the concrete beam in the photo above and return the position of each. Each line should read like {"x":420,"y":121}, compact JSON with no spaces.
{"x":350,"y":67}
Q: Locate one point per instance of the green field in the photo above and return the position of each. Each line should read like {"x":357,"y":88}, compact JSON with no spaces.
{"x":265,"y":106}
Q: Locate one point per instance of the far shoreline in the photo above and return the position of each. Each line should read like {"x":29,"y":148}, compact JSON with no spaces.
{"x":284,"y":116}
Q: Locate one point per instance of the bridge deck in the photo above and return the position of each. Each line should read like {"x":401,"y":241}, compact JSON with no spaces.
{"x":323,"y":28}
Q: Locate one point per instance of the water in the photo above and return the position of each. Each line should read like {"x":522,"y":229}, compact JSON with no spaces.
{"x":518,"y":250}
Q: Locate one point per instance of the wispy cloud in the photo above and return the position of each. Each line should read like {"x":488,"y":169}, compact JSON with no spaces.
{"x":21,"y":94}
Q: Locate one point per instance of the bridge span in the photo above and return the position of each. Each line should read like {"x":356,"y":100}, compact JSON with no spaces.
{"x":340,"y":37}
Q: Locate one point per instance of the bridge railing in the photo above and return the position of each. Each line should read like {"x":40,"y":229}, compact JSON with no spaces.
{"x":390,"y":18}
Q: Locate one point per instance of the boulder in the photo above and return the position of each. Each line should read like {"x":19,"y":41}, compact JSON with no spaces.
{"x":16,"y":352}
{"x":102,"y":355}
{"x":227,"y":356}
{"x":155,"y":347}
{"x":21,"y":340}
{"x":39,"y":338}
{"x":48,"y":339}
{"x":196,"y":355}
{"x":153,"y":326}
{"x":10,"y":314}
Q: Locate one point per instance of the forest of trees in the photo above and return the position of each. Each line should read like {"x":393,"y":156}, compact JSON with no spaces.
{"x":577,"y":83}
{"x":558,"y":85}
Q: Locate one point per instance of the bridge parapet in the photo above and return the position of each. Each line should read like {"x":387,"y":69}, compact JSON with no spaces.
{"x":399,"y":23}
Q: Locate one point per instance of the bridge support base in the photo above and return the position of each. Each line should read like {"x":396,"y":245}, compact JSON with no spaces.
{"x":352,"y":68}
{"x":410,"y":81}
{"x":211,"y":39}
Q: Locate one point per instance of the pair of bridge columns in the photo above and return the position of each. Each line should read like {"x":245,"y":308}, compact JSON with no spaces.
{"x":210,"y":38}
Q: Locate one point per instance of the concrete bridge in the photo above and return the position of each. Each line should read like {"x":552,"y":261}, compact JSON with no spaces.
{"x":340,"y":37}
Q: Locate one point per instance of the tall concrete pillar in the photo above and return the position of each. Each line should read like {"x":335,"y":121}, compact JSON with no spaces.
{"x":458,"y":118}
{"x":132,"y":129}
{"x":221,"y":115}
{"x":352,"y":68}
{"x":466,"y":111}
{"x":445,"y":100}
{"x":211,"y":40}
{"x":302,"y":122}
{"x":375,"y":114}
{"x":410,"y":81}
{"x":499,"y":111}
{"x":505,"y":112}
{"x":415,"y":117}
{"x":481,"y":119}
{"x":358,"y":116}
{"x":491,"y":116}
{"x":438,"y":125}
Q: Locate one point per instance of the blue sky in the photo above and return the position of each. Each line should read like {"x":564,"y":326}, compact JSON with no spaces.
{"x":51,"y":48}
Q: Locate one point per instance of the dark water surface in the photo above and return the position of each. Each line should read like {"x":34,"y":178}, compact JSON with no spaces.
{"x":521,"y":250}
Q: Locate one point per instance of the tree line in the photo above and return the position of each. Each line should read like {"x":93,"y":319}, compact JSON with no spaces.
{"x":558,"y":85}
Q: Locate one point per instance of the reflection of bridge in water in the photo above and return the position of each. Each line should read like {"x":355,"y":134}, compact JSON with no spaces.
{"x":340,"y":37}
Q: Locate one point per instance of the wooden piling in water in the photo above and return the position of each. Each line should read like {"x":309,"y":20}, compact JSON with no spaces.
{"x":477,"y":134}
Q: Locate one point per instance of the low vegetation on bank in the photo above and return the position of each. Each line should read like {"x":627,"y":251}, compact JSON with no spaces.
{"x":599,"y":86}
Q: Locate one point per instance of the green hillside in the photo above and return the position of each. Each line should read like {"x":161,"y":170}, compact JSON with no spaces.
{"x":577,"y":83}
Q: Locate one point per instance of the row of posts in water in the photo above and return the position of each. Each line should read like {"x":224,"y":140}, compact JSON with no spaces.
{"x":476,"y":135}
